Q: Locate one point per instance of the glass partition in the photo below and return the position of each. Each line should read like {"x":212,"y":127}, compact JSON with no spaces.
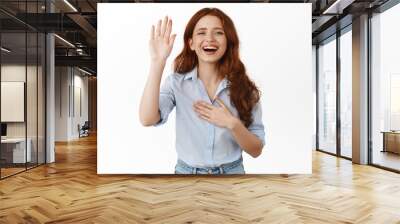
{"x":32,"y":95}
{"x":22,"y":67}
{"x":13,"y":104}
{"x":346,"y":94}
{"x":385,"y":89}
{"x":41,"y":111}
{"x":327,"y":96}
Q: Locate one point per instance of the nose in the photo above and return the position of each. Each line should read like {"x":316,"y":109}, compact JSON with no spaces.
{"x":210,"y":37}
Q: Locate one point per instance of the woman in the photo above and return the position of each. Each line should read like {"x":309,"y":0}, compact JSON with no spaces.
{"x":218,"y":113}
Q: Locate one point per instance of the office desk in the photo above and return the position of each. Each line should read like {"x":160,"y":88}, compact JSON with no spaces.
{"x":391,"y":141}
{"x":13,"y":150}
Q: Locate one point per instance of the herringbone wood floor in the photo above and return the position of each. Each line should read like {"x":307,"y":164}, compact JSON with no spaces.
{"x":70,"y":191}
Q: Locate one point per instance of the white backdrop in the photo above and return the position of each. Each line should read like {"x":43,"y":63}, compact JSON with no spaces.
{"x":275,"y":48}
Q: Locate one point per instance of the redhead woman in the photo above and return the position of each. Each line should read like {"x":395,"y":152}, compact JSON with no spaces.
{"x":218,"y":110}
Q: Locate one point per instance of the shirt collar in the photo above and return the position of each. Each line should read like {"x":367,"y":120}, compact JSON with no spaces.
{"x":193,"y":75}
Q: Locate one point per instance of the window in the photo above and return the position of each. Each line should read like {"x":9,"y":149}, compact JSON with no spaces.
{"x":346,"y":93}
{"x":385,"y":88}
{"x":327,"y":96}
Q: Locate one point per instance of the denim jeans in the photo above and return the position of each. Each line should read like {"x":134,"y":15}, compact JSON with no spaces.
{"x":235,"y":167}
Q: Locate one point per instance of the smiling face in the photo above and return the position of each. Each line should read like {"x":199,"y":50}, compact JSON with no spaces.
{"x":208,"y":39}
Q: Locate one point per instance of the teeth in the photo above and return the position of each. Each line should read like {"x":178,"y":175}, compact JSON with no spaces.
{"x":210,"y":48}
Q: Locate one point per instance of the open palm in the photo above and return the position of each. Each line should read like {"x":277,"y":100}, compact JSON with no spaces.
{"x":161,"y":40}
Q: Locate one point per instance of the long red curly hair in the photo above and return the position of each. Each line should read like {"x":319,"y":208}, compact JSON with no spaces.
{"x":243,"y":92}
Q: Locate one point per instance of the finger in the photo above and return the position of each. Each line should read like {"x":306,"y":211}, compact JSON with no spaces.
{"x":207,"y":105}
{"x":158,"y":28}
{"x":221,"y":103}
{"x":202,"y":114}
{"x":152,"y":33}
{"x":168,"y":29}
{"x":163,"y":26}
{"x":205,"y":118}
{"x":172,"y":40}
{"x":202,"y":111}
{"x":202,"y":106}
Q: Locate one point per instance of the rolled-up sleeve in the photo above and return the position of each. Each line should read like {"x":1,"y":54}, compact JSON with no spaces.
{"x":166,"y":100}
{"x":257,"y":127}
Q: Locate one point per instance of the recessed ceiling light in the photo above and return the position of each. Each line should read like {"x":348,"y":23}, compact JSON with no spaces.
{"x":64,"y":40}
{"x":338,"y":6}
{"x":70,"y":5}
{"x":84,"y":71}
{"x":5,"y":50}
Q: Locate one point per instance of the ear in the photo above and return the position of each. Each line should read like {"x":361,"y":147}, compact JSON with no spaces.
{"x":191,"y":44}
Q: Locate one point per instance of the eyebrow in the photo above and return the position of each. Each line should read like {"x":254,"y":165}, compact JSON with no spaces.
{"x":214,"y":28}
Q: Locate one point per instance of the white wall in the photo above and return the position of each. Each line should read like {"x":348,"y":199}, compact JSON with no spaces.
{"x":12,"y":73}
{"x":61,"y":105}
{"x":68,"y":81}
{"x":80,"y":118}
{"x":33,"y":127}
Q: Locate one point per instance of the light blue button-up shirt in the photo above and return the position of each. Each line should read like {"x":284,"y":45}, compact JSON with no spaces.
{"x":198,"y":142}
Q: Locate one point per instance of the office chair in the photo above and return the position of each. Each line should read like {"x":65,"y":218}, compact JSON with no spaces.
{"x":84,"y":130}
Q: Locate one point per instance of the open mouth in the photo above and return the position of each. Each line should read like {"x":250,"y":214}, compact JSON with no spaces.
{"x":210,"y":49}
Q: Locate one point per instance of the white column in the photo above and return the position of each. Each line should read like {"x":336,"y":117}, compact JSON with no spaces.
{"x":50,"y":93}
{"x":360,"y":90}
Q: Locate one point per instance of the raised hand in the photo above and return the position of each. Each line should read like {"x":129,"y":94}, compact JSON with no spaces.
{"x":161,"y":40}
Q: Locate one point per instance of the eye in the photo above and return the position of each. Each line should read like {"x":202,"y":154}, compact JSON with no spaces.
{"x":220,"y":33}
{"x":201,"y":33}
